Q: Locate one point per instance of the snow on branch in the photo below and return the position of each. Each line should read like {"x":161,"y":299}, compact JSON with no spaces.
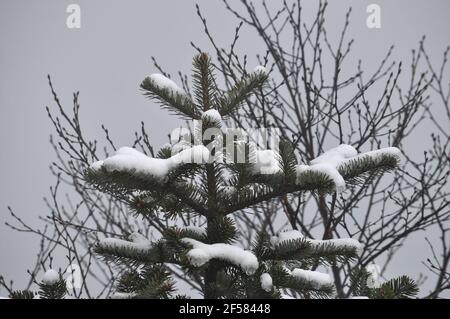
{"x":169,"y":95}
{"x":292,"y":235}
{"x":212,"y":115}
{"x":314,"y":278}
{"x":50,"y":277}
{"x":342,"y":157}
{"x":266,"y":282}
{"x":163,"y":82}
{"x":375,"y":155}
{"x":138,"y":250}
{"x":203,"y":253}
{"x":138,"y":242}
{"x":132,"y":161}
{"x":259,"y":68}
{"x":285,"y":236}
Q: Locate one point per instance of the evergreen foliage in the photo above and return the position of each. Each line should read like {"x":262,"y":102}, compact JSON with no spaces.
{"x":204,"y":189}
{"x":21,"y":294}
{"x":396,"y":288}
{"x":49,"y":288}
{"x":56,"y":290}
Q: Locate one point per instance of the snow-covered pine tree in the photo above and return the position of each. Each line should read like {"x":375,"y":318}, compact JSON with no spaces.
{"x":205,"y":180}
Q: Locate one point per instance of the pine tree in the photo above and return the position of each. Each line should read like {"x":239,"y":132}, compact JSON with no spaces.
{"x":208,"y":181}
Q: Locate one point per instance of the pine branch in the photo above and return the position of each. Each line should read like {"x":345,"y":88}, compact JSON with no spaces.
{"x":397,"y":288}
{"x":204,"y":82}
{"x":173,"y":235}
{"x":222,"y":230}
{"x":354,"y":171}
{"x":21,"y":294}
{"x":283,"y":279}
{"x":56,"y":290}
{"x":276,"y":187}
{"x":122,"y":185}
{"x":365,"y":168}
{"x":175,"y":102}
{"x":156,"y":283}
{"x":359,"y":278}
{"x":303,"y":250}
{"x":242,"y":90}
{"x":158,"y":253}
{"x":288,"y":161}
{"x":307,"y":288}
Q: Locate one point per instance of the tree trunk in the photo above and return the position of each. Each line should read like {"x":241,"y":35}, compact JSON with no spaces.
{"x":210,"y":288}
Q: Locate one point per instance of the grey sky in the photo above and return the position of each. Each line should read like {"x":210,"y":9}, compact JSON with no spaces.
{"x":106,"y":60}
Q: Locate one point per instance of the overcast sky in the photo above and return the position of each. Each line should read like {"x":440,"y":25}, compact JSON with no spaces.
{"x":107,"y":59}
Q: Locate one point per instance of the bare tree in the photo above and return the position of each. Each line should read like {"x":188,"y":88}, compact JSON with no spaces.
{"x":309,"y":104}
